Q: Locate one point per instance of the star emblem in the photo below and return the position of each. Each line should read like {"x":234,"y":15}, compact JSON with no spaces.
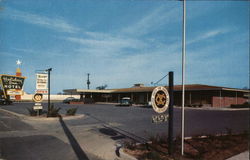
{"x":18,"y":62}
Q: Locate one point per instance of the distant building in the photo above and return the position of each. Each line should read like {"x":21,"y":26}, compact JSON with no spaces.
{"x":195,"y":94}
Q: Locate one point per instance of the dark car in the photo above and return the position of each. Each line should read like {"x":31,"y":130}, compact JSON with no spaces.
{"x":5,"y":101}
{"x":125,"y":101}
{"x":70,"y":99}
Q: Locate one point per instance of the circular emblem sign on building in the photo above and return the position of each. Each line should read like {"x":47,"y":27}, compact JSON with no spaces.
{"x":160,"y":99}
{"x":38,"y":97}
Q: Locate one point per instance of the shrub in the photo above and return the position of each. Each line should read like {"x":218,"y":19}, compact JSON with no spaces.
{"x":159,"y":139}
{"x":229,"y":131}
{"x":32,"y":112}
{"x":71,"y":111}
{"x":244,"y":105}
{"x":130,"y":144}
{"x":53,"y":111}
{"x":150,"y":155}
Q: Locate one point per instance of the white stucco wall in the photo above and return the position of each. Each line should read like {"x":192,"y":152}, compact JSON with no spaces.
{"x":28,"y":97}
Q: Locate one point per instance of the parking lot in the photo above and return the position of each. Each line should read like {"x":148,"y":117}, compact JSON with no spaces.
{"x":95,"y":134}
{"x":137,"y":121}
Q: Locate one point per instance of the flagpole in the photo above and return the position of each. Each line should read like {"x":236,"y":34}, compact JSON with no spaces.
{"x":183,"y":74}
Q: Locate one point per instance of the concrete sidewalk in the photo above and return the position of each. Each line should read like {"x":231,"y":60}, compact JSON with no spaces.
{"x":95,"y":142}
{"x":241,"y":156}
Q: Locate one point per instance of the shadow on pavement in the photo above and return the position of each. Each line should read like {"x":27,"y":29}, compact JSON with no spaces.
{"x":42,"y":147}
{"x":76,"y":147}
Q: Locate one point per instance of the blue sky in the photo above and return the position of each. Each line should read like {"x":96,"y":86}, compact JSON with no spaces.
{"x":123,"y":42}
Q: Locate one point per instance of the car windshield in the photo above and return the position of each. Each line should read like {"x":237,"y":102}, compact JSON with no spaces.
{"x":125,"y":101}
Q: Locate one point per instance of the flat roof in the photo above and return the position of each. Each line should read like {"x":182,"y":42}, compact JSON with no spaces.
{"x":188,"y":87}
{"x":77,"y":91}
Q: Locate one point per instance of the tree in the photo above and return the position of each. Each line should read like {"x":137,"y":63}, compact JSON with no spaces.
{"x":102,"y":87}
{"x":245,"y":88}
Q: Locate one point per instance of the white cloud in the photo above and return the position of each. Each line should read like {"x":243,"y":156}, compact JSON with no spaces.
{"x":57,"y":24}
{"x":208,"y":34}
{"x":8,"y":54}
{"x":154,"y":20}
{"x":106,"y":45}
{"x":43,"y":53}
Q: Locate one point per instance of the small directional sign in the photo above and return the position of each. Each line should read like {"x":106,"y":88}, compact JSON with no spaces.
{"x":159,"y":118}
{"x":37,"y":107}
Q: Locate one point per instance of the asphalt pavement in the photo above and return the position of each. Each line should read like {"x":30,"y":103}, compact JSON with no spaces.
{"x":138,"y":120}
{"x":24,"y":139}
{"x":103,"y":126}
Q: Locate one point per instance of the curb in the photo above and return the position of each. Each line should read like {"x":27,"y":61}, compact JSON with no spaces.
{"x":216,"y":109}
{"x":78,"y":116}
{"x":13,"y":113}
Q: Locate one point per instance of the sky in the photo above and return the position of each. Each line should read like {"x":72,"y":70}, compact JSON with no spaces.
{"x":123,"y":42}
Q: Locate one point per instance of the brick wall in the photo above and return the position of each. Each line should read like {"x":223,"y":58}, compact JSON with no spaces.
{"x":227,"y":101}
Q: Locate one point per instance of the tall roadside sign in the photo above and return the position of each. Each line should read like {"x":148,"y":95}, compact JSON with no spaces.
{"x":41,"y":88}
{"x":162,"y":100}
{"x":11,"y":85}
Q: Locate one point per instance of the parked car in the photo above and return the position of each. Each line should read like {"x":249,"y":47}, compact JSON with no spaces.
{"x":70,"y":99}
{"x":125,"y":101}
{"x":4,"y":101}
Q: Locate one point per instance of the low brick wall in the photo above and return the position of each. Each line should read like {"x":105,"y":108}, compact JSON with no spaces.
{"x":28,"y":97}
{"x":76,"y":102}
{"x":227,"y":101}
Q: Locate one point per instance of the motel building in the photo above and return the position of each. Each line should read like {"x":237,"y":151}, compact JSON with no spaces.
{"x":197,"y":95}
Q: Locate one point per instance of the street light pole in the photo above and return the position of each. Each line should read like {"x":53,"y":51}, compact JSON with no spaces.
{"x":183,"y":75}
{"x":88,"y":82}
{"x":49,"y":70}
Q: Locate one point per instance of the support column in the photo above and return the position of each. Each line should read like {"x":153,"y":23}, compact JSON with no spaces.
{"x":220,"y":98}
{"x":236,"y":98}
{"x":19,"y":74}
{"x":81,"y":97}
{"x":147,"y":97}
{"x":190,"y":98}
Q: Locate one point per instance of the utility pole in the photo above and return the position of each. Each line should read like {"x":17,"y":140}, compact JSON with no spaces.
{"x":88,"y":82}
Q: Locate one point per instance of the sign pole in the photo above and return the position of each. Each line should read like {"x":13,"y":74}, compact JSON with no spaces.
{"x":48,"y":70}
{"x":170,"y":112}
{"x":3,"y":87}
